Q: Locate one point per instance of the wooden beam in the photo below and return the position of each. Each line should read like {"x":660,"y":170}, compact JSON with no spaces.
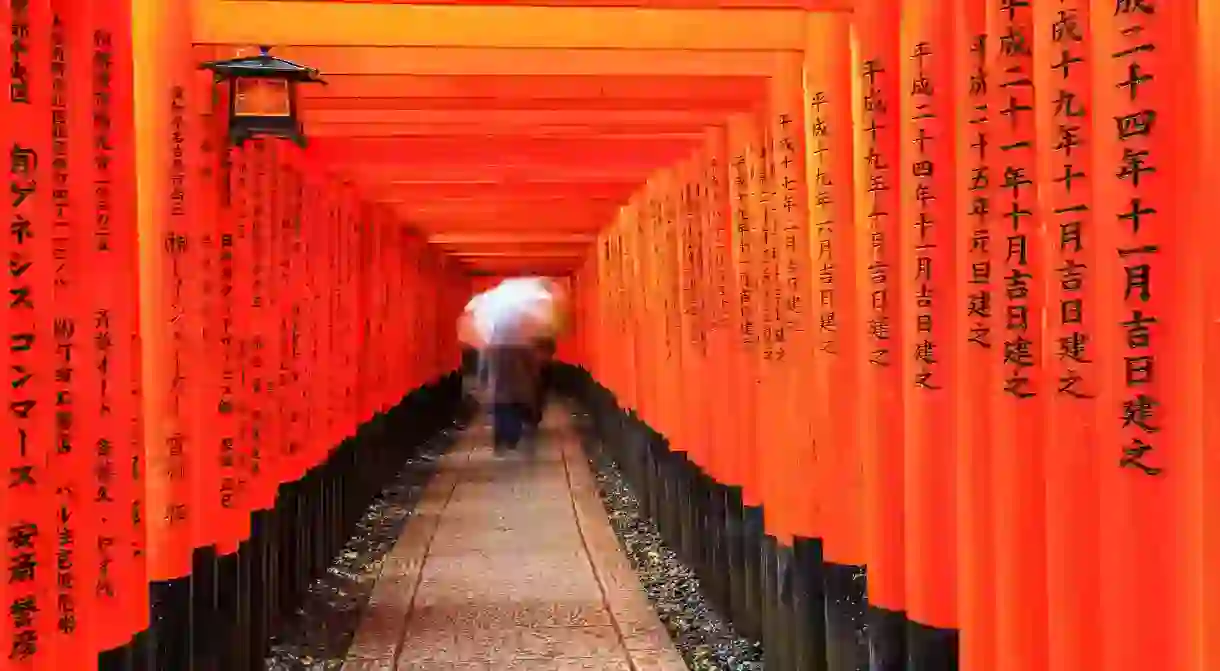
{"x":499,"y":238}
{"x":533,"y":231}
{"x":505,"y":264}
{"x":592,"y":147}
{"x":625,"y":119}
{"x":691,"y":132}
{"x":501,"y":208}
{"x":509,"y":265}
{"x":496,"y":151}
{"x":723,"y":105}
{"x":465,"y":172}
{"x":524,"y":269}
{"x":493,"y":201}
{"x":512,"y":261}
{"x":652,"y":87}
{"x":507,"y":210}
{"x":332,"y":60}
{"x":528,"y":192}
{"x":539,"y":254}
{"x":487,"y":212}
{"x":536,"y":222}
{"x":642,"y":4}
{"x":493,"y":26}
{"x":461,"y":170}
{"x":536,"y":251}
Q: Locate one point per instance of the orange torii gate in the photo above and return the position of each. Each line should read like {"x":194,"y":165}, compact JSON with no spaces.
{"x":942,"y":258}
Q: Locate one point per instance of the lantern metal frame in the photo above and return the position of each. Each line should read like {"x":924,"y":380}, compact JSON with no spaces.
{"x":264,"y":66}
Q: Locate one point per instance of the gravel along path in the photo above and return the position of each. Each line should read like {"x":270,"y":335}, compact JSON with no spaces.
{"x":705,"y":639}
{"x":318,"y":635}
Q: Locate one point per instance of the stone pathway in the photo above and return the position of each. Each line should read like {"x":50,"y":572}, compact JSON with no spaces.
{"x":510,"y":563}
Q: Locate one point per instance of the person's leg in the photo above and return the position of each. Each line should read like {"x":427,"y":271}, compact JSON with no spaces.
{"x":501,"y":427}
{"x":514,"y":424}
{"x":528,"y":416}
{"x":544,"y":388}
{"x":536,"y":417}
{"x":537,"y":407}
{"x":469,"y":360}
{"x":469,"y":372}
{"x":482,"y":366}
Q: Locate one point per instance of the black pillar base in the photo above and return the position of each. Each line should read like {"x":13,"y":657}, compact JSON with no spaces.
{"x":931,"y":648}
{"x":664,"y":499}
{"x":141,"y":651}
{"x":778,"y":607}
{"x":229,"y":646}
{"x":170,"y":625}
{"x":718,"y":578}
{"x":115,"y":659}
{"x":846,"y":623}
{"x":133,"y":656}
{"x":886,"y":639}
{"x":735,"y":558}
{"x":752,"y":534}
{"x":205,"y":615}
{"x":261,"y":584}
{"x":807,"y":613}
{"x":810,"y":651}
{"x":222,"y":616}
{"x":687,"y":500}
{"x":243,"y":653}
{"x":172,"y":636}
{"x":291,"y":576}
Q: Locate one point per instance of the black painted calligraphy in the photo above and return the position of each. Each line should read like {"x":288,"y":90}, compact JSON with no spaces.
{"x":880,"y":182}
{"x":1070,"y":194}
{"x":1016,"y":198}
{"x":790,"y":238}
{"x":28,"y":343}
{"x":928,"y":257}
{"x":1141,"y":268}
{"x":824,"y":216}
{"x":979,"y":310}
{"x":745,"y":250}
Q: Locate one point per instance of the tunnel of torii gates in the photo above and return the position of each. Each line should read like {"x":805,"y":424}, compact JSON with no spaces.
{"x":906,"y":308}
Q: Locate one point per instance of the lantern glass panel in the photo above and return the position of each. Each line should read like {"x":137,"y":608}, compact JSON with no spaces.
{"x":261,"y":97}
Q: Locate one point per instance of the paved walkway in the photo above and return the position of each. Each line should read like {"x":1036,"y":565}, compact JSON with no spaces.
{"x":510,"y":563}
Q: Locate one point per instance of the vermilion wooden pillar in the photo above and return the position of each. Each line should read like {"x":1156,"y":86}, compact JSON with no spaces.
{"x":1208,"y":531}
{"x":122,"y":594}
{"x":1074,"y":242}
{"x":979,"y":372}
{"x":30,"y":357}
{"x":931,"y":311}
{"x":1150,"y":290}
{"x":877,"y":71}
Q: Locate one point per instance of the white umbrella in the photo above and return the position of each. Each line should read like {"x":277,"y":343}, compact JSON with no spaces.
{"x":515,"y":311}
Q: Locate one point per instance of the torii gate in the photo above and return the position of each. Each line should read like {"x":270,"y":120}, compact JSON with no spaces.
{"x":929,"y":338}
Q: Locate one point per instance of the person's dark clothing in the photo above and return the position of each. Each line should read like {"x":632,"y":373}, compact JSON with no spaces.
{"x":546,"y":352}
{"x":508,"y":424}
{"x":512,"y":378}
{"x":512,"y":374}
{"x":470,"y":361}
{"x":547,"y":346}
{"x":469,"y":373}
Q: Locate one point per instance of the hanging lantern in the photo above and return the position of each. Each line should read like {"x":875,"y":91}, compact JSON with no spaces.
{"x":263,"y":95}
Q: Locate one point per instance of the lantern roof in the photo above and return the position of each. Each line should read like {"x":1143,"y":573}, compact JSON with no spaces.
{"x":263,"y":65}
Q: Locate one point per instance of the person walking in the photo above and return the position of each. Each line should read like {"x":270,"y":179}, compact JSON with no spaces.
{"x":513,"y":376}
{"x":545,"y":350}
{"x":472,"y":341}
{"x":507,"y":323}
{"x":547,"y":347}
